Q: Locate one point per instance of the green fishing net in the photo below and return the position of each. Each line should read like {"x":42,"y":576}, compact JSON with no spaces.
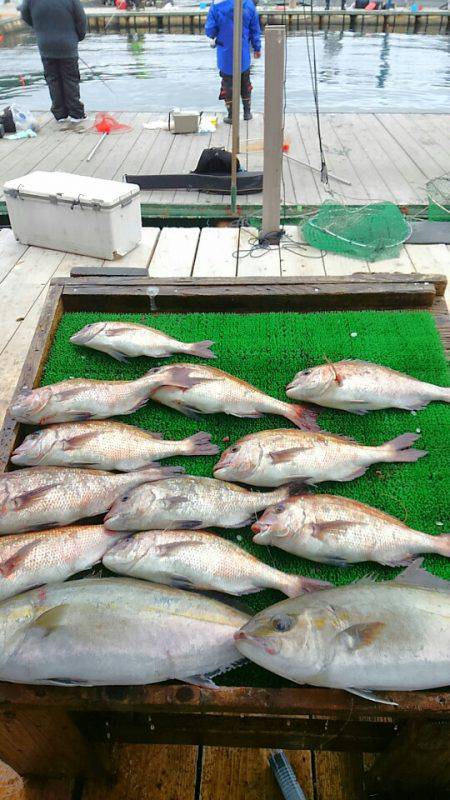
{"x":371,"y":232}
{"x":438,"y":191}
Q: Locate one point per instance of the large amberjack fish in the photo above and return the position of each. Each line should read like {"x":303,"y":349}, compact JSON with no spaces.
{"x":366,"y":636}
{"x":127,"y":339}
{"x":189,"y":502}
{"x":32,"y":559}
{"x":339,"y":531}
{"x":44,"y":497}
{"x":201,"y":560}
{"x":110,"y":631}
{"x":105,"y":445}
{"x":361,"y":386}
{"x":84,"y":398}
{"x":275,"y":457}
{"x":216,"y":392}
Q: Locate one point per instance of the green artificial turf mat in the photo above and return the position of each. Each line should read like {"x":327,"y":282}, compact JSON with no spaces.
{"x":267,"y":350}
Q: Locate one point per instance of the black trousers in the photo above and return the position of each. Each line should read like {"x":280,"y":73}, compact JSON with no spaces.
{"x":226,"y":88}
{"x":63,"y":80}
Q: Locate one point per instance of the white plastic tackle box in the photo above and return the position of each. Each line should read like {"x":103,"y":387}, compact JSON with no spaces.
{"x":75,"y":213}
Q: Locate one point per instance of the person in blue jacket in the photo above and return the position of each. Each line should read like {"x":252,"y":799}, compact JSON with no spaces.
{"x":219,"y":26}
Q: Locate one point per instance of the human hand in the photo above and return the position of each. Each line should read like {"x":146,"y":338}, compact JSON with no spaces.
{"x":257,"y":55}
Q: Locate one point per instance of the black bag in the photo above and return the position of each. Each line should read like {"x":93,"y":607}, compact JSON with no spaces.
{"x":215,"y":161}
{"x":7,"y":120}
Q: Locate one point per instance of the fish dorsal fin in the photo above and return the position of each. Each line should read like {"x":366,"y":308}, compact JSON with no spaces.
{"x":415,"y":575}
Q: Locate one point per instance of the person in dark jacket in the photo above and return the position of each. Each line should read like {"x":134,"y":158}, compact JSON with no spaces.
{"x":219,"y":26}
{"x":59,"y":26}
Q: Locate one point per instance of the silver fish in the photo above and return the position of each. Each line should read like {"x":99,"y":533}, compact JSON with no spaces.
{"x":111,"y":631}
{"x":41,"y":497}
{"x":122,"y":339}
{"x":82,"y":398}
{"x":339,"y":531}
{"x":31,"y":559}
{"x":214,"y":392}
{"x":362,"y":637}
{"x":188,"y":502}
{"x":272,"y":458}
{"x":201,"y":560}
{"x":361,"y":386}
{"x":105,"y":445}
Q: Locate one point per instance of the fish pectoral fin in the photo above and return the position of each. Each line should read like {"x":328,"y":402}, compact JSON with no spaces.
{"x":51,"y":620}
{"x":282,"y":456}
{"x":171,"y":547}
{"x":181,"y":582}
{"x":360,"y":635}
{"x":368,"y":694}
{"x":174,"y":501}
{"x":188,"y":524}
{"x":73,"y":442}
{"x":201,"y":680}
{"x":322,"y":530}
{"x":9,"y":566}
{"x":23,"y":500}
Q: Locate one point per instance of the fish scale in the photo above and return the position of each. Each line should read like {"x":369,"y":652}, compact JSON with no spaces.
{"x":339,"y":531}
{"x":48,"y":496}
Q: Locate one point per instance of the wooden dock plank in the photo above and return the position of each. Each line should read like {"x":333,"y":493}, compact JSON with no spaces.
{"x":402,"y":263}
{"x":32,"y":273}
{"x":254,"y":260}
{"x":339,"y":776}
{"x":244,"y":774}
{"x":217,"y":253}
{"x":147,"y":772}
{"x":10,"y":252}
{"x":298,"y":258}
{"x":337,"y":264}
{"x":398,"y":129}
{"x":394,"y":164}
{"x":361,"y":157}
{"x":175,"y":253}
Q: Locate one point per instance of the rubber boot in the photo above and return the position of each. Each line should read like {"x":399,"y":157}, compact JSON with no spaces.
{"x":228,"y":119}
{"x":247,"y":113}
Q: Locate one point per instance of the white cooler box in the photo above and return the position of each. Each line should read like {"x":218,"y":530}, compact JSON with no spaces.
{"x":74,"y":213}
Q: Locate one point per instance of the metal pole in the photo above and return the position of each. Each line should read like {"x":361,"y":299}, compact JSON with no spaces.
{"x":235,"y":107}
{"x":274,"y":44}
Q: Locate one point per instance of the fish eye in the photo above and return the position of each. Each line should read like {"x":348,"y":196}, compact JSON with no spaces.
{"x":154,"y":369}
{"x":234,"y":449}
{"x":306,"y":372}
{"x":283,"y":623}
{"x":279,"y":509}
{"x":126,"y":497}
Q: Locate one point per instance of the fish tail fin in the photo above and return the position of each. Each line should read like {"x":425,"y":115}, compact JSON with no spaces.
{"x":302,"y":417}
{"x":201,"y":349}
{"x":200,"y":445}
{"x":443,"y":545}
{"x":398,"y":449}
{"x":295,"y":585}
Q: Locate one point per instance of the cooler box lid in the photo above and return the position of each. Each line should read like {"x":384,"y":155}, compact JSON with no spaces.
{"x":74,"y":189}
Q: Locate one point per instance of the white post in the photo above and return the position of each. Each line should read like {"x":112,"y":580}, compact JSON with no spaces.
{"x":274,"y":45}
{"x":235,"y":107}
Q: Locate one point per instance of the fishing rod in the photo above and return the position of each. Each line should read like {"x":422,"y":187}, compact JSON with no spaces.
{"x":96,"y":75}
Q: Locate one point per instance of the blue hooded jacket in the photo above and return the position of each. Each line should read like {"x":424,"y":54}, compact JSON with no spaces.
{"x":219,"y":26}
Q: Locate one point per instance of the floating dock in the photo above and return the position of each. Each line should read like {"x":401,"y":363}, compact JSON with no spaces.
{"x":384,"y":156}
{"x":192,"y":20}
